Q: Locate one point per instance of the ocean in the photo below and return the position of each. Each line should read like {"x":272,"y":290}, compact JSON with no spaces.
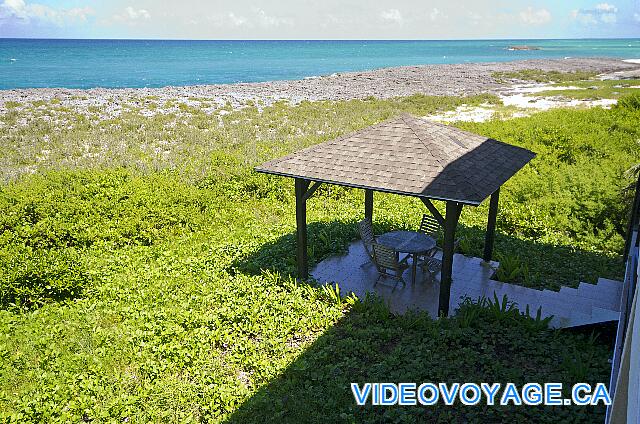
{"x":30,"y":63}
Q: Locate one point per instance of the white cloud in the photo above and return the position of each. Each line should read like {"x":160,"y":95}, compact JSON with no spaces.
{"x":636,"y":17}
{"x":583,"y":17}
{"x":606,"y":8}
{"x":24,"y":12}
{"x":530,"y":16}
{"x":609,"y":18}
{"x":269,"y":21}
{"x":258,"y":18}
{"x":605,"y":13}
{"x":436,"y":14}
{"x":132,"y":15}
{"x":392,"y":15}
{"x":229,"y":20}
{"x":236,"y":21}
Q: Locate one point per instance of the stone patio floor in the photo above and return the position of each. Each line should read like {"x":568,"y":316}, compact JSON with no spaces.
{"x":354,"y":272}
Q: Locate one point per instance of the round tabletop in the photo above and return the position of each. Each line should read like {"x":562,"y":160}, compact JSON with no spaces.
{"x":407,"y":241}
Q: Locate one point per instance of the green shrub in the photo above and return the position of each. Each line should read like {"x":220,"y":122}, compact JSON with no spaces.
{"x":511,"y":269}
{"x":29,"y":278}
{"x":66,"y":209}
{"x":630,"y":101}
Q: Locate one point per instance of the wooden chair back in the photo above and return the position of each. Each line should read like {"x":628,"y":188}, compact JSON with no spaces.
{"x":430,"y":226}
{"x":366,"y":234}
{"x":385,"y":257}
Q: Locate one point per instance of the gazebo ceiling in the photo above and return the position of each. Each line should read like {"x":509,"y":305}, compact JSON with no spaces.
{"x":410,"y":156}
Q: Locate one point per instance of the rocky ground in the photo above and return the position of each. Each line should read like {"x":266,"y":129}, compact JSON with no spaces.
{"x":457,"y":79}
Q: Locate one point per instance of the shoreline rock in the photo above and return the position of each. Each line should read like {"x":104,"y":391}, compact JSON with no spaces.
{"x":437,"y":80}
{"x":519,"y":48}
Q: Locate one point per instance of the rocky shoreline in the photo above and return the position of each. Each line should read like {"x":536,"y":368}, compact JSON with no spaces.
{"x":449,"y":80}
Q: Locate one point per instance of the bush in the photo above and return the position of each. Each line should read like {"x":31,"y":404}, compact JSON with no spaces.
{"x":511,"y":269}
{"x":630,"y":101}
{"x":80,"y":209}
{"x":29,"y":278}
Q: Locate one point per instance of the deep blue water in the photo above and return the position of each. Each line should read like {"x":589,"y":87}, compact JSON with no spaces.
{"x":140,"y":63}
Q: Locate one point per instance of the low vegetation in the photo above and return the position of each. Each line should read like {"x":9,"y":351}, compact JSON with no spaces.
{"x":145,"y":270}
{"x":596,"y":90}
{"x":540,"y":76}
{"x":480,"y":343}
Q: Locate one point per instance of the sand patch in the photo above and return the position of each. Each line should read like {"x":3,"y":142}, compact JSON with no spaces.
{"x":464,"y":113}
{"x":545,"y":103}
{"x":519,"y":101}
{"x":520,"y":96}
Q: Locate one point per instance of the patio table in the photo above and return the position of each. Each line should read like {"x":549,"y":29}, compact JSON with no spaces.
{"x":411,"y":242}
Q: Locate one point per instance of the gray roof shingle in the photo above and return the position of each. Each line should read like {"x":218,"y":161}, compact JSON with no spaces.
{"x":410,"y":156}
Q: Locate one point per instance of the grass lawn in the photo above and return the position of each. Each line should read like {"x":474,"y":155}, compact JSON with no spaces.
{"x":145,"y":269}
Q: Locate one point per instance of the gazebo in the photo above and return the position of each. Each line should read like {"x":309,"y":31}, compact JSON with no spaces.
{"x":407,"y":156}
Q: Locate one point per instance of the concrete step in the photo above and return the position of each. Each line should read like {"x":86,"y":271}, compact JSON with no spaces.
{"x":609,"y":282}
{"x":613,"y":285}
{"x":604,"y":315}
{"x":565,"y":301}
{"x":606,"y":296}
{"x":598,"y":315}
{"x":570,"y":307}
{"x":587,"y":304}
{"x":576,"y":318}
{"x":568,"y":291}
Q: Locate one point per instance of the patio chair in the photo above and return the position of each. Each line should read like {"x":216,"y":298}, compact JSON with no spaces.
{"x":367,"y":236}
{"x":388,"y":263}
{"x":430,"y":266}
{"x":431,"y":227}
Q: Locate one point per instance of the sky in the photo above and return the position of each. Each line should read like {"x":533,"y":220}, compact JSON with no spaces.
{"x":313,"y":19}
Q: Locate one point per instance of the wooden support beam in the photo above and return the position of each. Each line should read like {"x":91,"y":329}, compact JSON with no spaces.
{"x":490,"y":235}
{"x":301,"y":227}
{"x":451,"y":222}
{"x":368,"y":204}
{"x":436,"y":214}
{"x":312,"y":190}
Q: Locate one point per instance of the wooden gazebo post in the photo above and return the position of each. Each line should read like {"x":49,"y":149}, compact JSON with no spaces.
{"x":450,"y":223}
{"x":490,"y":235}
{"x":368,"y":204}
{"x":301,"y":227}
{"x":303,"y":192}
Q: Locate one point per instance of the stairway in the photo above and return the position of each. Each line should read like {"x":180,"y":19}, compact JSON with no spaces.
{"x":588,"y":304}
{"x":584,"y":305}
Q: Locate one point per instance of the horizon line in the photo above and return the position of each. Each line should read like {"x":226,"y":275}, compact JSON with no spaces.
{"x":315,"y":39}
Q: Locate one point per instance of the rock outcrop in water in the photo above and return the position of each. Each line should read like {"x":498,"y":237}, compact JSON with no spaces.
{"x":517,"y":48}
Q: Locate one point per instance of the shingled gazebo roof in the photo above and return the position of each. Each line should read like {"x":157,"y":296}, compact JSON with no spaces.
{"x":409,"y":156}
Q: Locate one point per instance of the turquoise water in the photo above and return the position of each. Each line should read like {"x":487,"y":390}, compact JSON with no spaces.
{"x":137,"y":63}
